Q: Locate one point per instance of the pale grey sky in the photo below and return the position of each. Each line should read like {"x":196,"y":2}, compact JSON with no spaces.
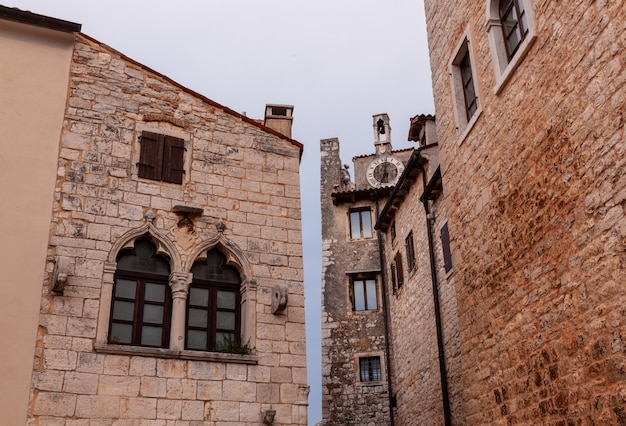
{"x":337,"y":61}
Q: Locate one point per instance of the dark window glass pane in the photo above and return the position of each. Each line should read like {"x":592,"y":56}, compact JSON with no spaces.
{"x":370,"y":286}
{"x":124,"y":311}
{"x":225,"y":320}
{"x":366,"y":217}
{"x":359,"y":296}
{"x":151,"y":336}
{"x":153,"y":314}
{"x":226,"y":300}
{"x":155,"y":292}
{"x":143,"y":259}
{"x":355,"y":225}
{"x":445,"y":244}
{"x":199,"y":296}
{"x":224,"y":340}
{"x":214,"y":268}
{"x":505,"y":5}
{"x":196,"y":339}
{"x":198,"y":318}
{"x":125,"y":288}
{"x":121,"y":333}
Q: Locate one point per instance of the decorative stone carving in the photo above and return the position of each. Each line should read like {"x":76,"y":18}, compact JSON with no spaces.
{"x":179,"y":283}
{"x":220,"y":226}
{"x":268,"y":417}
{"x":280,"y":295}
{"x":59,"y":274}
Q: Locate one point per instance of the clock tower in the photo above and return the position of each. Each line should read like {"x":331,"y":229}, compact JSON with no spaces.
{"x":354,"y":329}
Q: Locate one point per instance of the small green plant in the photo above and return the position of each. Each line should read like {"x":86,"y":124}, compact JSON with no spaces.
{"x":232,"y":346}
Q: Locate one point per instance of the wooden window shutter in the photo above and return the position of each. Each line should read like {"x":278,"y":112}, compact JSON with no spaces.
{"x":150,"y":156}
{"x":173,"y":160}
{"x":399,"y":270}
{"x":445,"y":246}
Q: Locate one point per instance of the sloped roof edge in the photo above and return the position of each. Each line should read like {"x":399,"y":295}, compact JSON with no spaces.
{"x":227,"y":110}
{"x":26,"y":17}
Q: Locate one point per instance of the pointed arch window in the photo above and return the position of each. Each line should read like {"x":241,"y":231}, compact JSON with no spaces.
{"x":141,"y":301}
{"x":214,"y":305}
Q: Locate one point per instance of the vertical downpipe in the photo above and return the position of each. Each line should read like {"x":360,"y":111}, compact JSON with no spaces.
{"x":383,"y":284}
{"x":433,"y":270}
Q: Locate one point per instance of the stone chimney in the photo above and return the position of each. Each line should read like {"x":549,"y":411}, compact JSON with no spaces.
{"x":279,"y":118}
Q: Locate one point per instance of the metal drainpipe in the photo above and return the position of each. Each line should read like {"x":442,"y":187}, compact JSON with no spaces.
{"x":433,"y":270}
{"x":381,"y":255}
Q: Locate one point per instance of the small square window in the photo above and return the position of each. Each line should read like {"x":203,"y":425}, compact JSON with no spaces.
{"x":161,"y":157}
{"x":369,"y":369}
{"x":360,"y":224}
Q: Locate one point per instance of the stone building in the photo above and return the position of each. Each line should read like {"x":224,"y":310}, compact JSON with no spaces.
{"x":355,"y":381}
{"x":524,"y":270}
{"x":152,"y":249}
{"x":529,"y":97}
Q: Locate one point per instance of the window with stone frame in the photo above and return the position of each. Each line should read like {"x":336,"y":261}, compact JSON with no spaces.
{"x":141,"y":301}
{"x":410,"y":252}
{"x":465,"y":95}
{"x":511,"y":31}
{"x":370,"y":369}
{"x":392,"y":232}
{"x":514,"y":24}
{"x":360,"y":223}
{"x":214,"y":305}
{"x":364,"y":294}
{"x":162,"y":157}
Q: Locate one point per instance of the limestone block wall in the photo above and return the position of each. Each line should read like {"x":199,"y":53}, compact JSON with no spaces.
{"x":245,"y":180}
{"x":535,"y":206}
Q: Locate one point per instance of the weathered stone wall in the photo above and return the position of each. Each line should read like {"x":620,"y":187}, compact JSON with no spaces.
{"x":535,"y":204}
{"x":237,"y":173}
{"x":346,"y":334}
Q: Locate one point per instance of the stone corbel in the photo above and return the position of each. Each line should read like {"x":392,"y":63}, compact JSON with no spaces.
{"x":280,"y":296}
{"x":60,"y":274}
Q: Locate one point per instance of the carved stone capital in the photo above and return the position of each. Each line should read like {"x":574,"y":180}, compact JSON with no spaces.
{"x":179,"y":283}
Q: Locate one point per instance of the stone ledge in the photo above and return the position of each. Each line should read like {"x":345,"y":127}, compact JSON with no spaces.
{"x":169,"y":353}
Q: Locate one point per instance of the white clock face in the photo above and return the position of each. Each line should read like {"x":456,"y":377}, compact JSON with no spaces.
{"x":384,"y":171}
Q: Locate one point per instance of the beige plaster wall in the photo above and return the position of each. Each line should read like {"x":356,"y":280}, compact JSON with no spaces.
{"x":33,"y":81}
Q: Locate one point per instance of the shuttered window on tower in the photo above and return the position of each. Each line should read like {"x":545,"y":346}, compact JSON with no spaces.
{"x":162,"y":157}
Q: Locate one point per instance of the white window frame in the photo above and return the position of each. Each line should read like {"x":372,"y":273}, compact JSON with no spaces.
{"x":463,"y":125}
{"x":503,"y":68}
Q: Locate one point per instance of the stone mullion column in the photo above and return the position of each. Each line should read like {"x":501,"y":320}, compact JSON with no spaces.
{"x":179,"y":284}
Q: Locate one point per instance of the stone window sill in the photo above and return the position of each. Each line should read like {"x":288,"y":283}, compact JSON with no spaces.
{"x":169,"y":353}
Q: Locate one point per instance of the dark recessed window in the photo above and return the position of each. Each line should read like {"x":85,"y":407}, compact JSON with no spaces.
{"x":369,"y":369}
{"x":469,"y":91}
{"x":514,"y":24}
{"x":161,"y":158}
{"x":392,"y":231}
{"x":360,"y":224}
{"x":445,"y":246}
{"x":214,"y":305}
{"x":399,"y":270}
{"x":141,"y":302}
{"x":364,"y":295}
{"x":410,"y":251}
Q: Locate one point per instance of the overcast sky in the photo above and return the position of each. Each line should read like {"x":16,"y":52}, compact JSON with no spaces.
{"x":337,"y":61}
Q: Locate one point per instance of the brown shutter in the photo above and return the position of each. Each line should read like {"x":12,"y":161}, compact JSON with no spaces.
{"x":445,"y":246}
{"x":150,"y":156}
{"x":399,"y":269}
{"x":173,"y":160}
